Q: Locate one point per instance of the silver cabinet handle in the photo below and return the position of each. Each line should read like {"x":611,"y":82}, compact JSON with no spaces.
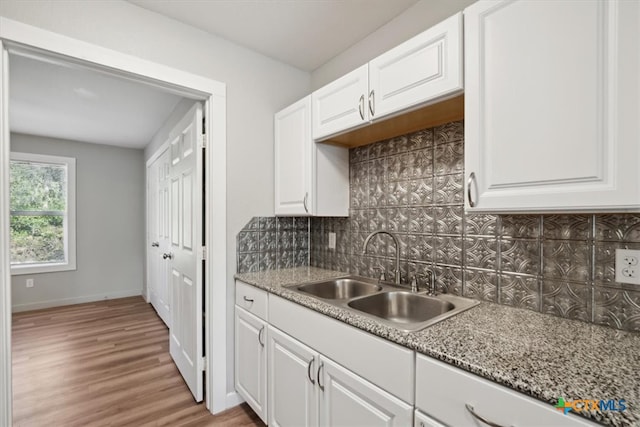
{"x":471,"y":180}
{"x":318,"y":376}
{"x":372,"y":101}
{"x":260,"y":336}
{"x":247,"y":299}
{"x":155,"y":244}
{"x":304,"y":202}
{"x":361,"y":106}
{"x":309,"y":371}
{"x":479,"y":418}
{"x":169,"y":255}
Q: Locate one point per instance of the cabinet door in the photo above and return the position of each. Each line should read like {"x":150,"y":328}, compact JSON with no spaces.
{"x":251,"y":361}
{"x":423,"y":420}
{"x":342,"y":104}
{"x":294,"y":160}
{"x":349,"y":400}
{"x":293,"y":398}
{"x":550,"y":119}
{"x":420,"y":70}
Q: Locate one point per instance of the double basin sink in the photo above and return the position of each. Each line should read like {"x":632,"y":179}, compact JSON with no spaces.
{"x":389,"y":304}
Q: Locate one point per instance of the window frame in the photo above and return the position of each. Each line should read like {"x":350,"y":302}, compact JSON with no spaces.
{"x":69,"y":219}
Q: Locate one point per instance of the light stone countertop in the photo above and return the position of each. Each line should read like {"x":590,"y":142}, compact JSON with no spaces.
{"x":543,"y":356}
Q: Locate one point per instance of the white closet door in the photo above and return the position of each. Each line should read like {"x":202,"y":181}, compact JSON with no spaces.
{"x":159,"y":224}
{"x":185,"y":246}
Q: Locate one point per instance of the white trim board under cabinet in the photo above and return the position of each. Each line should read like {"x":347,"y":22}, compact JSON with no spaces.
{"x":552,"y":118}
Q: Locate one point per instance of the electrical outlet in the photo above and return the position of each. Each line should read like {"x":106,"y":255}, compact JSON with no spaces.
{"x":627,"y":266}
{"x":29,"y":283}
{"x":332,"y":240}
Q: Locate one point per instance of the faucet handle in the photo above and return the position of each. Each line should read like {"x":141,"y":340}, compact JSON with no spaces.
{"x":414,"y":283}
{"x":430,"y":275}
{"x":383,"y":273}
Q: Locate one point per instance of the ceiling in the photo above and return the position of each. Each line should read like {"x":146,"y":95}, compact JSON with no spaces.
{"x":58,"y":101}
{"x":302,"y":33}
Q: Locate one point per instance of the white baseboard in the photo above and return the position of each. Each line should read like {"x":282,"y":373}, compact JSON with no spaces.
{"x":76,"y":300}
{"x":233,"y":399}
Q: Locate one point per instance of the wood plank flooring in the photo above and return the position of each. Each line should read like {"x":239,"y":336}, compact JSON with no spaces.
{"x":103,"y":364}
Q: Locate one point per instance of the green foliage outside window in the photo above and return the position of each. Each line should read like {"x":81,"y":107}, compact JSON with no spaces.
{"x":38,"y":204}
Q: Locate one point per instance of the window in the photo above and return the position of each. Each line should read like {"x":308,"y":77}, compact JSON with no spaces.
{"x":42,"y":224}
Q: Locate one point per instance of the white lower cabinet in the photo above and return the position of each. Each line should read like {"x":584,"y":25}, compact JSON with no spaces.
{"x":298,"y":368}
{"x":421,"y":419}
{"x":457,"y":398}
{"x":251,"y":360}
{"x":307,"y":389}
{"x":348,"y":400}
{"x":293,"y":395}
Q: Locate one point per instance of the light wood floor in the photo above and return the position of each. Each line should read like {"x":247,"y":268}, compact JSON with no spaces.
{"x":103,"y":364}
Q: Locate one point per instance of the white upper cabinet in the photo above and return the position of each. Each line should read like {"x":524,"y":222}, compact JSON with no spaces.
{"x":310,"y":178}
{"x":424,"y":68}
{"x":342,"y":104}
{"x":293,"y":158}
{"x":552,"y":117}
{"x":420,"y":71}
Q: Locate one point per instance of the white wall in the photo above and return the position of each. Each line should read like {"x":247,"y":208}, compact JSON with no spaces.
{"x":413,"y":21}
{"x":162,"y":134}
{"x":109,"y":226}
{"x":257,"y":87}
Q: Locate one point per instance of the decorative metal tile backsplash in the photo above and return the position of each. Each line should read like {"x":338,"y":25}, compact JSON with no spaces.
{"x":271,"y":243}
{"x":412,"y":185}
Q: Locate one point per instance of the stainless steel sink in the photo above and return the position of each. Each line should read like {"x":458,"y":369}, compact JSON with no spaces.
{"x":388,"y":304}
{"x":411,"y":311}
{"x":402,"y":307}
{"x":344,"y":288}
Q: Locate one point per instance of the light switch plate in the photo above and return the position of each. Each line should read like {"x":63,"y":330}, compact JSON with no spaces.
{"x":628,"y":266}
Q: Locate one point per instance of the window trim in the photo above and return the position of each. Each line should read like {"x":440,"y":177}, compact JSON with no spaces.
{"x":70,"y":218}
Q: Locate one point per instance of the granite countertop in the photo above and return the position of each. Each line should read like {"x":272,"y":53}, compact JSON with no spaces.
{"x":543,"y":356}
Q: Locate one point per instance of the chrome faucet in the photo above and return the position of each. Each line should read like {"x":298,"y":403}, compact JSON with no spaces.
{"x":395,"y":241}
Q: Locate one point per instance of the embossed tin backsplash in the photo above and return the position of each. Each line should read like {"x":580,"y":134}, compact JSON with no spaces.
{"x":270,"y":243}
{"x":412,"y":185}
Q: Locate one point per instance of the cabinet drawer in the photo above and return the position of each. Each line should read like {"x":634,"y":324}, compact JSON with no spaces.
{"x":443,"y":392}
{"x":252,"y":299}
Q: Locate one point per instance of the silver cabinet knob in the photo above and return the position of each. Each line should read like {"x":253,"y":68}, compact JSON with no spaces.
{"x":169,"y":255}
{"x":155,"y":244}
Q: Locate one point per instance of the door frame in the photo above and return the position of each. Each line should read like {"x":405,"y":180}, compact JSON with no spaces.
{"x":30,"y":40}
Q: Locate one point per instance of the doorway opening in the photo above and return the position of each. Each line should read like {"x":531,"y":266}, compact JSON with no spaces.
{"x":18,"y":40}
